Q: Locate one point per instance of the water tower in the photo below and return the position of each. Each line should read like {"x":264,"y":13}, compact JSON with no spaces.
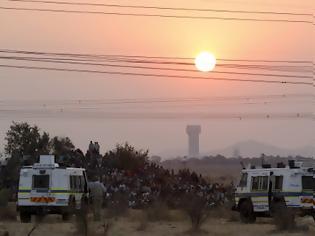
{"x":193,"y":132}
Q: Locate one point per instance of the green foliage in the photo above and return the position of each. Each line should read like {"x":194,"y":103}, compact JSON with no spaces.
{"x":126,"y":157}
{"x":24,"y":139}
{"x":10,"y":174}
{"x":61,"y":145}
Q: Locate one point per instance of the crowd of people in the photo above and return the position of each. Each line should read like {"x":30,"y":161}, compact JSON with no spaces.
{"x":156,"y":183}
{"x":149,"y":182}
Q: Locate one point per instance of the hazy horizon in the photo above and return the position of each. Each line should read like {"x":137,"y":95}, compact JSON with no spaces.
{"x":81,"y":106}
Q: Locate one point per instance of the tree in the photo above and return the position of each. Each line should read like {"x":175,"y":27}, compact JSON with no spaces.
{"x":61,"y":145}
{"x":126,"y":157}
{"x":10,"y":174}
{"x":26,"y":140}
{"x":62,"y":148}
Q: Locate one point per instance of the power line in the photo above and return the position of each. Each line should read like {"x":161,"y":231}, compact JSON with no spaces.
{"x":97,"y":57}
{"x":147,"y":57}
{"x":93,"y":58}
{"x":162,"y":8}
{"x":150,"y":67}
{"x":306,"y":69}
{"x":158,"y":115}
{"x":156,"y":15}
{"x":154,"y":75}
{"x":99,"y":104}
{"x":171,"y":99}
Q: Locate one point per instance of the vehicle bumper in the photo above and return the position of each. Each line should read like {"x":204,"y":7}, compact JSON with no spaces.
{"x":37,"y":210}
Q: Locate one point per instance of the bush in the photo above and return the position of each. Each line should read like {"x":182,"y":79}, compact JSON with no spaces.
{"x":196,"y":208}
{"x":158,"y":212}
{"x":118,"y":206}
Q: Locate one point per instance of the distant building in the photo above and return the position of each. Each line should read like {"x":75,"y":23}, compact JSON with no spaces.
{"x":193,"y":132}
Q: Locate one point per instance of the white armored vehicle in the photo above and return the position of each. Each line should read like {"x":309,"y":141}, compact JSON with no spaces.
{"x":46,"y":188}
{"x":265,"y":191}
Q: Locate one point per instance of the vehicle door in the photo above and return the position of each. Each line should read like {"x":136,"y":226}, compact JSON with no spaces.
{"x":275,"y":187}
{"x":41,"y":187}
{"x":259,"y":190}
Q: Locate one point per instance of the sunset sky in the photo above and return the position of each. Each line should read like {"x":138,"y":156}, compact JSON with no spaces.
{"x":154,"y":36}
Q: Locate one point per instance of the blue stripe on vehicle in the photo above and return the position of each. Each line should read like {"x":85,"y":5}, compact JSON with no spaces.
{"x":24,"y":191}
{"x":52,"y":191}
{"x":60,"y":191}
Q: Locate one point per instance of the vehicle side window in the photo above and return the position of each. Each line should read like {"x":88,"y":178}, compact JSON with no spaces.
{"x":73,"y":182}
{"x":308,"y":183}
{"x":78,"y":183}
{"x":255,"y":183}
{"x":82,"y":183}
{"x":263,"y":182}
{"x":278,"y":182}
{"x":260,"y":183}
{"x":243,"y":181}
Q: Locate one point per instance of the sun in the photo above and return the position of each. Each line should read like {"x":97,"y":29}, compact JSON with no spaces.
{"x":205,"y":61}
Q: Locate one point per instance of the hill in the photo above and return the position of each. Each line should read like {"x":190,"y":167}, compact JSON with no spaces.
{"x":249,"y":148}
{"x":222,"y":168}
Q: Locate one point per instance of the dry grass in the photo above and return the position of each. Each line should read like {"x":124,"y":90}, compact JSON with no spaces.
{"x":8,"y":213}
{"x":178,"y":224}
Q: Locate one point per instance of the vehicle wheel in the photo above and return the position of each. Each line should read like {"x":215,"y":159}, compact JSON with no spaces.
{"x":247,"y":214}
{"x":284,"y":217}
{"x":25,"y":217}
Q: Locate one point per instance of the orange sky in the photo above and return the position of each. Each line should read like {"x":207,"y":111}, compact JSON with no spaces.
{"x":151,"y":36}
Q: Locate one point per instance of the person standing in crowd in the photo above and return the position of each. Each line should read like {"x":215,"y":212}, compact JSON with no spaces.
{"x":91,"y":147}
{"x":97,"y":192}
{"x":97,"y":147}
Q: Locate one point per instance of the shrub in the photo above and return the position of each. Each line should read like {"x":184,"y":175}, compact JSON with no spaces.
{"x":196,"y":208}
{"x":118,"y":206}
{"x":157,"y":212}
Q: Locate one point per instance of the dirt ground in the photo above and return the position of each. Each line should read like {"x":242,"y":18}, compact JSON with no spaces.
{"x":133,"y":224}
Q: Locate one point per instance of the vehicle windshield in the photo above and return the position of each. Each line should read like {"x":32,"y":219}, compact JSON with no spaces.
{"x":243,"y":180}
{"x":40,"y":181}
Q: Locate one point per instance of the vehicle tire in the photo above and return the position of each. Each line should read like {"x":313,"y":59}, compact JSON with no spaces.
{"x":247,"y":214}
{"x":284,"y":217}
{"x":25,"y":217}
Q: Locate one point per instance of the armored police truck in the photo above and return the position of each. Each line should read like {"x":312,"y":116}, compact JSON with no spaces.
{"x":46,"y":188}
{"x":266,"y":191}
